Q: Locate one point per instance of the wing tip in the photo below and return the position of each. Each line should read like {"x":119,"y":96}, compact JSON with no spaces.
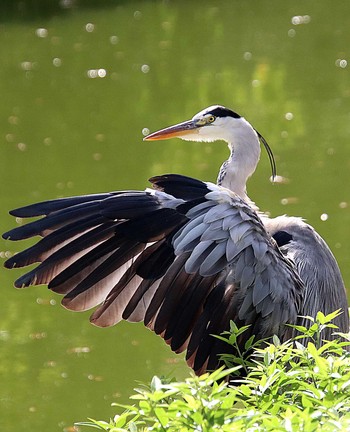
{"x":6,"y":235}
{"x":10,"y":264}
{"x":71,"y":303}
{"x":14,"y":212}
{"x":24,"y":282}
{"x":98,"y":321}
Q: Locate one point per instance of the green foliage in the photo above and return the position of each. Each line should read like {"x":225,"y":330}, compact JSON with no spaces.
{"x":288,"y":387}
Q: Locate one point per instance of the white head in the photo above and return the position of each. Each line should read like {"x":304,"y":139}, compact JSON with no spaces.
{"x":220,"y":123}
{"x":211,"y":124}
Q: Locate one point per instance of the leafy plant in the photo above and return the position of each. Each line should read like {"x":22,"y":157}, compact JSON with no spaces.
{"x":288,"y":387}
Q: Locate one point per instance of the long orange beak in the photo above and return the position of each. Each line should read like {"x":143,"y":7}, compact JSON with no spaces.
{"x":180,"y":130}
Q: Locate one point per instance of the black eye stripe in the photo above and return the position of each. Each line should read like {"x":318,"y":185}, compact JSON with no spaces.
{"x":224,"y":112}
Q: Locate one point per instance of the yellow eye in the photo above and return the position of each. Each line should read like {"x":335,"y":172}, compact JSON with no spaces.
{"x":210,"y":119}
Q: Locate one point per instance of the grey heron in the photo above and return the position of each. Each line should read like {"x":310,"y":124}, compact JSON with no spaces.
{"x":186,"y":256}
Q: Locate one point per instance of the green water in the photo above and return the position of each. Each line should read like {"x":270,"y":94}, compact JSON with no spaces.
{"x":78,"y":86}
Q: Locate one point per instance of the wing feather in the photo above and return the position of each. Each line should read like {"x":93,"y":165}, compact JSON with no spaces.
{"x":185,"y":259}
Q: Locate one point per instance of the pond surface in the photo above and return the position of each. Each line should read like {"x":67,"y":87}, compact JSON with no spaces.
{"x":80,"y":83}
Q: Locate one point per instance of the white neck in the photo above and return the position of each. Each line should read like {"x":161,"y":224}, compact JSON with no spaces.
{"x":244,"y":146}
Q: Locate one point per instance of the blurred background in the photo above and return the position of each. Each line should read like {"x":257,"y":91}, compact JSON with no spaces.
{"x":81,"y":82}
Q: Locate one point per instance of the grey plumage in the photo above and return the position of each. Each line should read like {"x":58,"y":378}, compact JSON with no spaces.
{"x":324,"y":287}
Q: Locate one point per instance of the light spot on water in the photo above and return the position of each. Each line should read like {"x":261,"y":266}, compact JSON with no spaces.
{"x":114,"y":40}
{"x":41,"y":32}
{"x":291,"y":33}
{"x":247,"y":56}
{"x":284,"y":134}
{"x":96,"y":73}
{"x":57,"y":62}
{"x":280,"y":179}
{"x":342,"y":63}
{"x":93,"y":377}
{"x":137,"y":15}
{"x":46,"y":302}
{"x":300,"y":19}
{"x":145,"y":68}
{"x":79,"y":350}
{"x":289,"y":116}
{"x":256,"y":83}
{"x":5,"y":254}
{"x":90,"y":27}
{"x":324,"y":217}
{"x":145,"y":131}
{"x":27,"y":65}
{"x":39,"y":335}
{"x":289,"y":200}
{"x":343,"y":205}
{"x":92,"y":73}
{"x":22,"y":146}
{"x":9,"y":137}
{"x":13,"y":120}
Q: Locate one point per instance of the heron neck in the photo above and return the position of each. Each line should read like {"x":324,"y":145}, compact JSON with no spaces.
{"x":232,"y":179}
{"x":243,"y":160}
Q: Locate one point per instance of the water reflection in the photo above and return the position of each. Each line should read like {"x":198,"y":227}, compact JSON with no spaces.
{"x":65,"y":134}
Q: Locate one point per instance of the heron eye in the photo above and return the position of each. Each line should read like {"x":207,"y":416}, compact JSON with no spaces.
{"x":210,"y":119}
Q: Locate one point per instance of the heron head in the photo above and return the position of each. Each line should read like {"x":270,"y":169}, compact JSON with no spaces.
{"x":218,"y":123}
{"x":211,"y":124}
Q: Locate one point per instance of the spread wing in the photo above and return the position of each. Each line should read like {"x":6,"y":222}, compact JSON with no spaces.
{"x":185,"y":258}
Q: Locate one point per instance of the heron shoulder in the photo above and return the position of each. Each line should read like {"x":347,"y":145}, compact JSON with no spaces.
{"x":301,"y":236}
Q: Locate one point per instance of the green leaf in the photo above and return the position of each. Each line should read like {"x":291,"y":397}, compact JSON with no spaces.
{"x":249,"y":343}
{"x":191,"y":401}
{"x":287,"y":386}
{"x":162,"y":416}
{"x":275,"y":340}
{"x":156,"y":384}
